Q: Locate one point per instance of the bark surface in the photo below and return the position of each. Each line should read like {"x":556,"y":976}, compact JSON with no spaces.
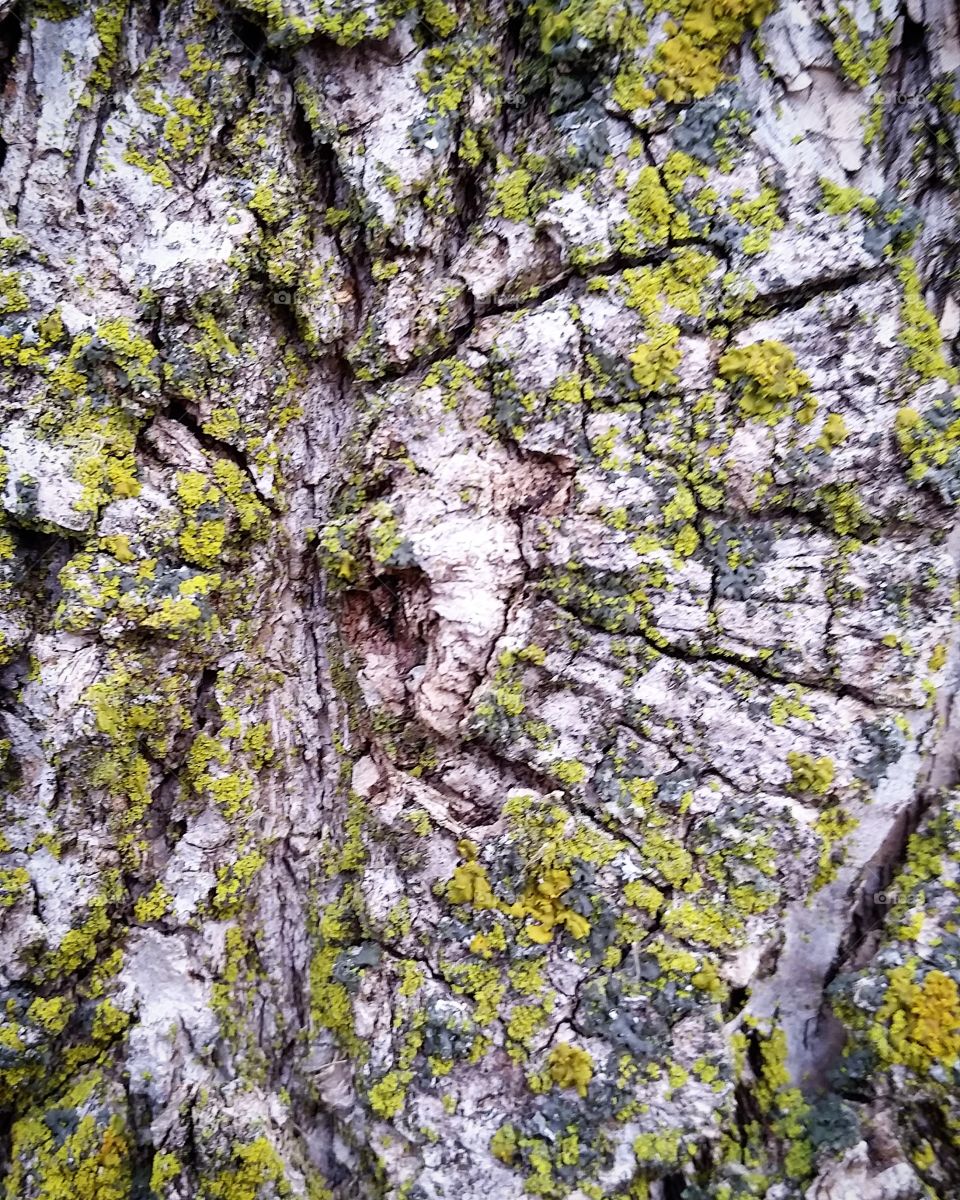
{"x":480,"y":618}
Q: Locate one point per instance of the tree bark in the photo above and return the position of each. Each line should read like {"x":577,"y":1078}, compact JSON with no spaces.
{"x":479,"y":566}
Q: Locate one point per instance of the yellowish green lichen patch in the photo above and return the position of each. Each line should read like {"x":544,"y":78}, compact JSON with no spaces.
{"x":918,"y":1023}
{"x":92,"y":1162}
{"x":570,"y":1067}
{"x":768,"y":382}
{"x":256,"y":1170}
{"x":688,"y":63}
{"x":809,"y":774}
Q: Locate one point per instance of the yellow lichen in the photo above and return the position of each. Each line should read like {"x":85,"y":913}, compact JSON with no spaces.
{"x":570,"y":1067}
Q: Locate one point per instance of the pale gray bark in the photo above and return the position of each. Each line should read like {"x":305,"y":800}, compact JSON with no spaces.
{"x":480,"y":584}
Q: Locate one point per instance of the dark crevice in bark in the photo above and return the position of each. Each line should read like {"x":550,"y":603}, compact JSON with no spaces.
{"x":726,"y":659}
{"x":569,"y":277}
{"x":25,"y":50}
{"x":791,"y":299}
{"x":746,"y":1109}
{"x":513,"y":65}
{"x":143,"y":1150}
{"x":206,"y":706}
{"x":155,"y":11}
{"x":578,"y":277}
{"x":295,"y":977}
{"x":468,"y":196}
{"x":907,"y":120}
{"x":873,"y":895}
{"x":6,"y":1141}
{"x":321,"y":155}
{"x":44,"y":552}
{"x":674,"y":1187}
{"x":188,"y":1154}
{"x":930,"y":1119}
{"x":179,"y":411}
{"x":913,"y":58}
{"x":250,"y":38}
{"x":11,"y":31}
{"x":736,"y":1002}
{"x":104,"y":110}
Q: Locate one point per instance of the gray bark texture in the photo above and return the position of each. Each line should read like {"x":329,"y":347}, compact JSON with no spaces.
{"x":479,"y":642}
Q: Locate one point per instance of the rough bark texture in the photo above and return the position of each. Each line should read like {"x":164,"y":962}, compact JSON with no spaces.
{"x":480,"y":615}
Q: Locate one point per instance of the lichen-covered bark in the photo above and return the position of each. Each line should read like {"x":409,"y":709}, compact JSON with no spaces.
{"x":479,"y":576}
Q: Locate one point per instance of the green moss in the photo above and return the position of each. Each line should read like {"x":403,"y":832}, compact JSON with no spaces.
{"x":859,"y":63}
{"x":570,"y":772}
{"x":704,"y":924}
{"x":330,"y":1003}
{"x":187,"y":127}
{"x":660,"y":1149}
{"x":482,"y":983}
{"x":202,"y":538}
{"x":54,"y":10}
{"x":233,"y":883}
{"x":450,"y":71}
{"x":938,"y":657}
{"x":843,"y":507}
{"x":540,"y":906}
{"x":12,"y":297}
{"x":503,"y":1144}
{"x":133,"y":713}
{"x":109,"y":1022}
{"x":784,"y":707}
{"x":524,"y":1021}
{"x":337,"y":545}
{"x":79,"y":947}
{"x":926,"y":445}
{"x":51,"y":1015}
{"x":834,"y":432}
{"x":266,"y":204}
{"x":654,"y":362}
{"x":671,"y":860}
{"x":345,"y":25}
{"x":643,"y":896}
{"x":117,"y":367}
{"x":631,"y":88}
{"x":238,"y":976}
{"x":602,"y":22}
{"x":157,"y":171}
{"x":384,"y":535}
{"x":470,"y":150}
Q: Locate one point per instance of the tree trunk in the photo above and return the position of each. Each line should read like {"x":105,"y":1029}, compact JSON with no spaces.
{"x":480,"y":578}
